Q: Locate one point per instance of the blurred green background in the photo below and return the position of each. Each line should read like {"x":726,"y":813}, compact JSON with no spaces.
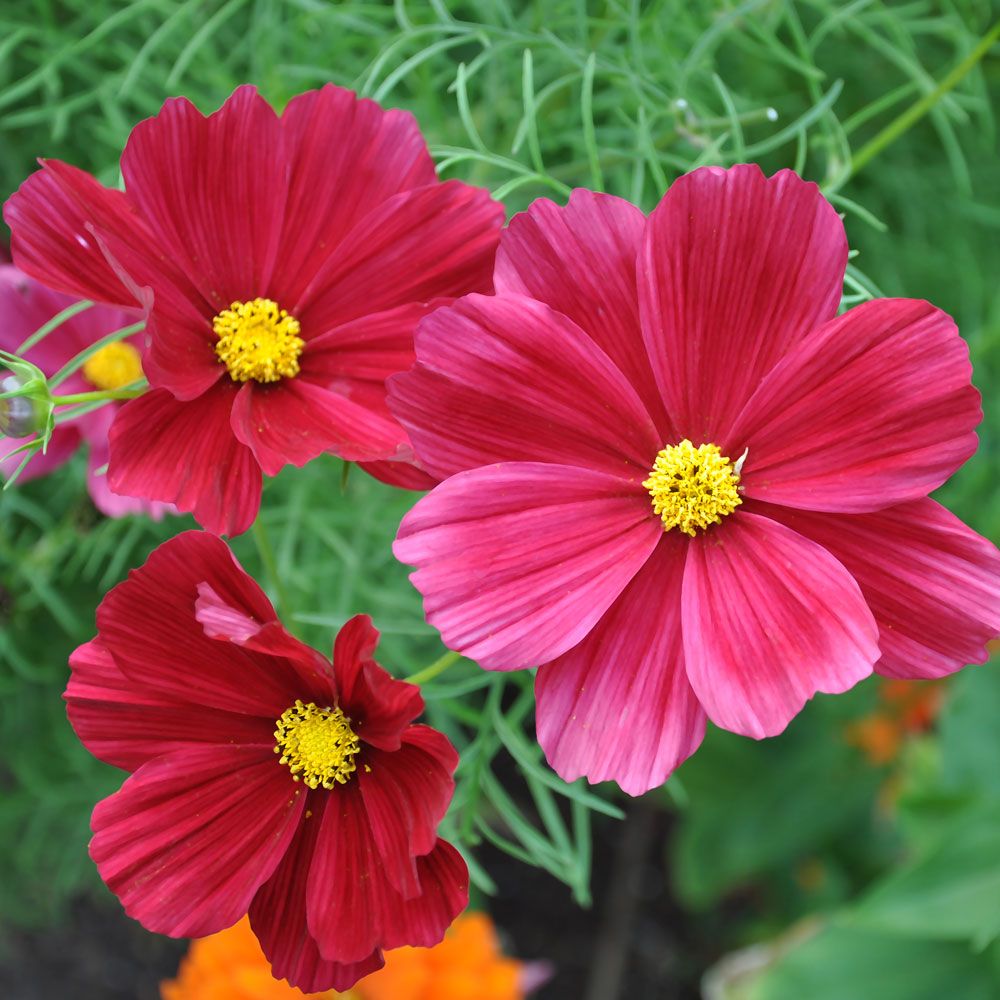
{"x":858,"y":855}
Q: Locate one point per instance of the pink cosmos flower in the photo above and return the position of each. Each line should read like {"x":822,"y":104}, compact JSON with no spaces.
{"x":25,"y":306}
{"x":680,"y":483}
{"x":264,"y":777}
{"x":284,"y":263}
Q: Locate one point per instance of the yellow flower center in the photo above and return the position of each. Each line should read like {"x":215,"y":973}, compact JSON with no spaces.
{"x":113,"y":366}
{"x":693,"y":487}
{"x":317,"y":744}
{"x":258,"y":340}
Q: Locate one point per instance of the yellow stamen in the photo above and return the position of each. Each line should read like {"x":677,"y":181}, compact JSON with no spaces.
{"x":693,"y":487}
{"x":113,"y":366}
{"x":258,"y":340}
{"x":317,"y":744}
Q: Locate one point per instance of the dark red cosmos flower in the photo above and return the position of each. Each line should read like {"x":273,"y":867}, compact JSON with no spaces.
{"x":284,"y":263}
{"x":264,"y":779}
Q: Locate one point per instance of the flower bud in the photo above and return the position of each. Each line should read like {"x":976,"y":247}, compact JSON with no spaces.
{"x":21,"y":415}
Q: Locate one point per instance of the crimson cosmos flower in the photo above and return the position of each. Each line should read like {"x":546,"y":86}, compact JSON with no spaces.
{"x":283,"y":264}
{"x":25,"y":306}
{"x":681,"y":483}
{"x":264,"y":780}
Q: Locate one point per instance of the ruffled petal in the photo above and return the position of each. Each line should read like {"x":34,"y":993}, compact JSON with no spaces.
{"x":212,"y":191}
{"x":876,"y":408}
{"x":185,"y":453}
{"x":518,"y":562}
{"x":278,"y":918}
{"x":580,"y":260}
{"x":149,"y":624}
{"x":770,"y":619}
{"x":406,"y":794}
{"x":507,"y":379}
{"x":417,"y":246}
{"x":346,"y":156}
{"x":127,"y":724}
{"x":932,"y":583}
{"x":619,"y":706}
{"x":735,"y":269}
{"x":191,"y":836}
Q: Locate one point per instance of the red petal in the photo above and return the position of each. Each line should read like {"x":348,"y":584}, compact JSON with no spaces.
{"x":736,"y":269}
{"x":127,"y":724}
{"x":876,"y":408}
{"x":580,"y":260}
{"x":932,"y":583}
{"x":417,"y":246}
{"x":770,"y":618}
{"x":185,"y":453}
{"x":618,"y":706}
{"x":190,"y":837}
{"x":518,"y":562}
{"x":404,"y":475}
{"x":507,"y":379}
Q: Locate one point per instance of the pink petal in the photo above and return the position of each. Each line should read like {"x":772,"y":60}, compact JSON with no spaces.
{"x":619,"y":706}
{"x":580,"y":260}
{"x":293,"y":421}
{"x":191,"y":836}
{"x":518,"y":562}
{"x":770,"y":618}
{"x":278,"y":918}
{"x":417,"y":246}
{"x":127,"y":724}
{"x":507,"y":379}
{"x":149,"y":625}
{"x":185,"y":453}
{"x":62,"y":447}
{"x":404,"y":475}
{"x":932,"y":583}
{"x":111,"y":504}
{"x":212,"y":191}
{"x":345,"y":157}
{"x":736,"y":268}
{"x":406,"y":794}
{"x":874,"y":409}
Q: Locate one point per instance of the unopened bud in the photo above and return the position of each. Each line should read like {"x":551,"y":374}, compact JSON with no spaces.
{"x":21,"y":415}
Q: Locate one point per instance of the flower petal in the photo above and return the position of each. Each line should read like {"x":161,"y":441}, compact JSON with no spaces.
{"x":932,"y":583}
{"x":127,"y":724}
{"x":736,"y":268}
{"x":404,"y":475}
{"x":417,"y":246}
{"x":580,"y":260}
{"x":618,"y":706}
{"x":191,"y":836}
{"x":111,"y":504}
{"x":278,"y":918}
{"x":770,"y":618}
{"x":518,"y":562}
{"x":507,"y":379}
{"x":874,"y":409}
{"x":185,"y":453}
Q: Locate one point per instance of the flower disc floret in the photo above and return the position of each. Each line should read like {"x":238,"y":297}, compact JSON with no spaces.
{"x":317,"y":744}
{"x":258,"y":340}
{"x":113,"y":366}
{"x":693,"y":487}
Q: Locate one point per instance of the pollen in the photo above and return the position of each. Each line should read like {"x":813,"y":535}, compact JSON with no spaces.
{"x":693,"y":487}
{"x":317,"y":744}
{"x":113,"y":366}
{"x":258,"y":340}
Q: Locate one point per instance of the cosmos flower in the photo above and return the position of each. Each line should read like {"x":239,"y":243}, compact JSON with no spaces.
{"x":26,"y":306}
{"x":283,"y":263}
{"x":265,"y":780}
{"x":680,"y":483}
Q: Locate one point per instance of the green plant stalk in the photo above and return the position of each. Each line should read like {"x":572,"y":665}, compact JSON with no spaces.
{"x":267,"y":557}
{"x":437,"y":667}
{"x":916,"y":111}
{"x":98,"y":395}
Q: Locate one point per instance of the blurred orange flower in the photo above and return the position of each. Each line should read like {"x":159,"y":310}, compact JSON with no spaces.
{"x":906,"y":707}
{"x":467,"y":965}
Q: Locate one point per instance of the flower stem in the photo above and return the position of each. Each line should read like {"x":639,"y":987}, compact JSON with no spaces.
{"x":99,"y":395}
{"x":266,"y":551}
{"x":437,"y":667}
{"x":917,"y":110}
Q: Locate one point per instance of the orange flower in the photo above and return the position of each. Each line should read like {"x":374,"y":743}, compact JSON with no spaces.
{"x":906,"y":707}
{"x":466,"y":965}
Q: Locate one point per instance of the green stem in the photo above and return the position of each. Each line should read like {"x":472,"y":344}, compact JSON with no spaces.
{"x":271,"y":566}
{"x":97,"y":396}
{"x":437,"y":667}
{"x":916,"y":111}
